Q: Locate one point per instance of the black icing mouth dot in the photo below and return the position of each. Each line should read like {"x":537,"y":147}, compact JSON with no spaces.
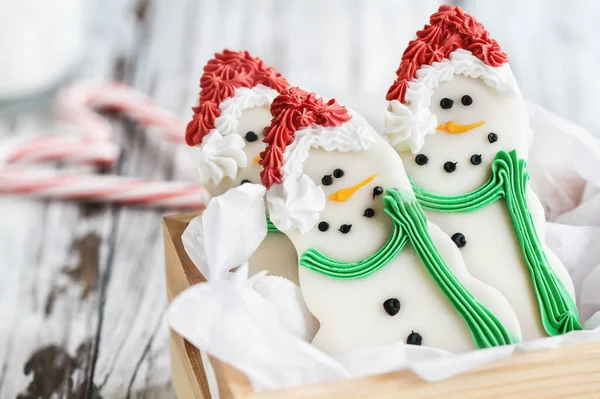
{"x":251,"y":137}
{"x":369,"y":213}
{"x":414,"y":339}
{"x":459,"y":239}
{"x":377,"y":190}
{"x":421,"y":159}
{"x":338,"y":173}
{"x":327,"y":180}
{"x":446,"y":103}
{"x":476,"y":159}
{"x":391,"y":306}
{"x":492,"y":137}
{"x":450,"y":166}
{"x":246,"y":181}
{"x":323,"y":226}
{"x":466,"y":100}
{"x":345,"y":228}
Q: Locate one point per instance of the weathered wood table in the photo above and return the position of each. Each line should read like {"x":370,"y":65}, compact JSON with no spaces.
{"x":82,"y":292}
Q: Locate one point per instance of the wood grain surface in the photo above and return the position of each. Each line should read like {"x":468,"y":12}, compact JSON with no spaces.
{"x":82,"y":286}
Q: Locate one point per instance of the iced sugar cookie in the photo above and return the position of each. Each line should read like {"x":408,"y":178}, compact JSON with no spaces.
{"x":226,"y":139}
{"x":460,"y":124}
{"x":373,"y":271}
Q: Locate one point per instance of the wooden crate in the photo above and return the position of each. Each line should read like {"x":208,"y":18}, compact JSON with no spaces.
{"x":565,"y":372}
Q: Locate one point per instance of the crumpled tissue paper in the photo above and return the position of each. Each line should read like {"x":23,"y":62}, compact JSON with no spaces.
{"x":261,"y":326}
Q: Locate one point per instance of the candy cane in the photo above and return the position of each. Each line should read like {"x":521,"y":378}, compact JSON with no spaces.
{"x":50,"y":148}
{"x":77,"y":103}
{"x":46,"y":183}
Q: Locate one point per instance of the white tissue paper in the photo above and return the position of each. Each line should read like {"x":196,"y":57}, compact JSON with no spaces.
{"x":261,"y":326}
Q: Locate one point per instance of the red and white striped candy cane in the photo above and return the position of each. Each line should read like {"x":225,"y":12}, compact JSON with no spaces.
{"x":77,"y":103}
{"x":45,"y":183}
{"x":51,"y":148}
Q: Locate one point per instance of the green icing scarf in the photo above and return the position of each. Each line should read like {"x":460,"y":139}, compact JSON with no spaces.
{"x":509,"y":181}
{"x":271,"y":227}
{"x":410,"y":224}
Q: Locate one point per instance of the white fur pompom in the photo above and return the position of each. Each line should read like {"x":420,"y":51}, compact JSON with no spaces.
{"x":218,"y":157}
{"x":295,"y":204}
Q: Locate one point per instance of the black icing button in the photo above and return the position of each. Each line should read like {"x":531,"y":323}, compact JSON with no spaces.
{"x":251,"y":137}
{"x":246,"y":181}
{"x":377,"y":190}
{"x":450,"y":166}
{"x":476,"y":159}
{"x":345,"y":228}
{"x":327,"y":180}
{"x":421,"y":159}
{"x":392,"y":306}
{"x":338,"y":173}
{"x":414,"y":339}
{"x":459,"y":239}
{"x":323,"y":226}
{"x":492,"y":137}
{"x":369,"y":212}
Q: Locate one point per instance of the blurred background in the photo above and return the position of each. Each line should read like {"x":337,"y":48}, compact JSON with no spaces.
{"x":82,"y":293}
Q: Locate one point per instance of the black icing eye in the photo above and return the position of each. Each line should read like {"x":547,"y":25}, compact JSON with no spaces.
{"x":414,"y":339}
{"x":251,"y":137}
{"x":450,"y":166}
{"x":246,"y":181}
{"x":446,"y":103}
{"x":421,"y":159}
{"x":345,"y":228}
{"x":391,"y":306}
{"x":323,"y":226}
{"x":466,"y":100}
{"x":476,"y":159}
{"x":369,"y":213}
{"x":326,"y":180}
{"x":377,"y":190}
{"x":492,"y":137}
{"x":338,"y":173}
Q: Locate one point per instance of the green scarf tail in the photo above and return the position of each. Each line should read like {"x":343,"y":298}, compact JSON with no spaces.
{"x":509,"y":181}
{"x":410,"y":224}
{"x":271,"y":227}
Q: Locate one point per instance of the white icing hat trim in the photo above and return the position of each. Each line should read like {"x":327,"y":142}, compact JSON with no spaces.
{"x":406,"y":125}
{"x":298,"y":201}
{"x":219,"y":156}
{"x":243,"y":99}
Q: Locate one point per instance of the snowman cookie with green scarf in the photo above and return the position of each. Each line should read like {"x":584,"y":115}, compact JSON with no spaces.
{"x":226,"y":136}
{"x":372,"y":269}
{"x":456,"y":117}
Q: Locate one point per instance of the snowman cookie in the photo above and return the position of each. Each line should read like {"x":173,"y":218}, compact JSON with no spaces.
{"x":226,"y":139}
{"x":460,"y":125}
{"x":373,"y":271}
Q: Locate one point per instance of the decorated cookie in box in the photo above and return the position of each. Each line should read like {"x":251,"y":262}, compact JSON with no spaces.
{"x":460,"y":125}
{"x":226,"y":138}
{"x":373,"y":271}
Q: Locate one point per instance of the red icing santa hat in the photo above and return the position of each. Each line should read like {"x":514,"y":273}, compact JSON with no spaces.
{"x":453,"y":43}
{"x":302,"y":121}
{"x":232,"y":82}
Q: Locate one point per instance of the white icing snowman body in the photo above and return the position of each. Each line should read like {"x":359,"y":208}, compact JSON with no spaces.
{"x":457,"y":163}
{"x":275,"y":254}
{"x":351,"y":312}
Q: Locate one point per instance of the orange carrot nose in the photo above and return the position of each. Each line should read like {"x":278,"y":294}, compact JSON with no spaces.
{"x":456,"y":128}
{"x":345,"y":193}
{"x":257,"y":159}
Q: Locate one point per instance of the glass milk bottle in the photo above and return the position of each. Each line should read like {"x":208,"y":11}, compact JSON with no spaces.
{"x":41,"y":43}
